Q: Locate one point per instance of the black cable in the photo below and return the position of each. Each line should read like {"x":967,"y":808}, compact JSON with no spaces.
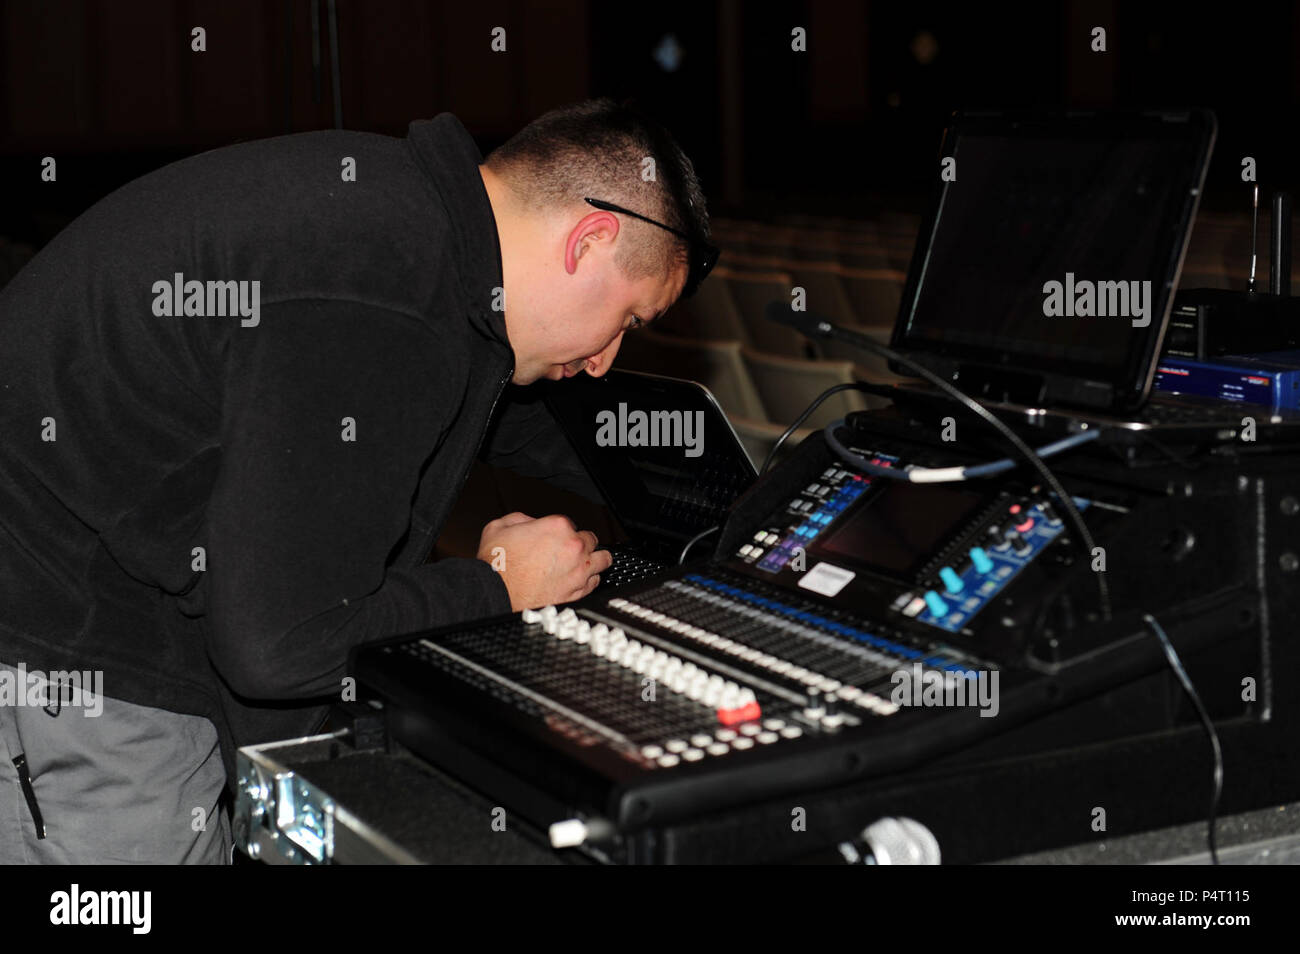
{"x":1177,"y":666}
{"x":921,"y":475}
{"x":1086,"y":543}
{"x":694,"y":540}
{"x":771,"y":455}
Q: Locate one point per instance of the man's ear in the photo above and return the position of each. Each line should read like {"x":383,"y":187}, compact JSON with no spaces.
{"x":594,"y":227}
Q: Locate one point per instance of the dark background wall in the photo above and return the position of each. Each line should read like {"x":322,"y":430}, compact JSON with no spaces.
{"x":113,"y":90}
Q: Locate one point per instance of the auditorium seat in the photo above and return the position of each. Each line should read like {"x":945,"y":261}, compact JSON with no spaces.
{"x":769,"y":245}
{"x":753,"y":292}
{"x":875,"y":293}
{"x":871,"y":258}
{"x":758,"y":437}
{"x":823,"y":287}
{"x":868,"y":366}
{"x":711,"y":314}
{"x":825,"y":294}
{"x":718,"y":365}
{"x":788,"y":385}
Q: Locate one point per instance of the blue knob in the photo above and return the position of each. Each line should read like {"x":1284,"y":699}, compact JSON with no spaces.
{"x":937,"y":606}
{"x":951,"y":581}
{"x":981,"y":560}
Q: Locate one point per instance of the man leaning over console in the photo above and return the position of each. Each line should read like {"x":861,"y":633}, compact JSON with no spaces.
{"x":210,"y":502}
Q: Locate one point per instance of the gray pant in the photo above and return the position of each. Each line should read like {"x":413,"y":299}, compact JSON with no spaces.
{"x":115,"y":783}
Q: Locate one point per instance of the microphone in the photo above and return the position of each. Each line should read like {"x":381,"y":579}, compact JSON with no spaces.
{"x":814,"y":326}
{"x":806,"y":323}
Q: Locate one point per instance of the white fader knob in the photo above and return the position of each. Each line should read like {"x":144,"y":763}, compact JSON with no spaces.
{"x":713,"y":692}
{"x":573,"y":832}
{"x":697,"y":686}
{"x":630,"y":651}
{"x":569,"y":833}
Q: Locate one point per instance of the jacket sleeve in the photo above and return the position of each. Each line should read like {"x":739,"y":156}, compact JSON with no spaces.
{"x":330,"y":411}
{"x":526,"y":438}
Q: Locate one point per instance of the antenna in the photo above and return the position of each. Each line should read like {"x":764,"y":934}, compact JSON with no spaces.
{"x":1279,"y":249}
{"x":1254,"y":231}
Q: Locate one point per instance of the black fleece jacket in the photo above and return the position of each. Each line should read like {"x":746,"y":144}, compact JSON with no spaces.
{"x":212,"y":510}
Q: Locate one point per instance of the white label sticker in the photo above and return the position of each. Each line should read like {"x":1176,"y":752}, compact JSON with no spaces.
{"x":826,"y":579}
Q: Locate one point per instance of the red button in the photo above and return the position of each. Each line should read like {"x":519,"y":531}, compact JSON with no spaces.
{"x":1015,"y":508}
{"x":1027,"y":525}
{"x":744,"y":714}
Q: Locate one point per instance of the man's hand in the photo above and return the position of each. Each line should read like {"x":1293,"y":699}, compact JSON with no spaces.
{"x":542,"y":560}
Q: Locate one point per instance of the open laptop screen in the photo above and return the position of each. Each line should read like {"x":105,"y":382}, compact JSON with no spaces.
{"x":1049,"y":259}
{"x":660,"y":449}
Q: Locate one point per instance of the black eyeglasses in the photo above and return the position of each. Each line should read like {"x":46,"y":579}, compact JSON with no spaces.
{"x":700,"y":255}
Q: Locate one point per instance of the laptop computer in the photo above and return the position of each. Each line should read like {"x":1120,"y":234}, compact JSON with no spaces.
{"x":1044,"y":273}
{"x":663,"y":455}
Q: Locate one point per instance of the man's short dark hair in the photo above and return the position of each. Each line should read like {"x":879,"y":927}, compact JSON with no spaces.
{"x":599,"y":149}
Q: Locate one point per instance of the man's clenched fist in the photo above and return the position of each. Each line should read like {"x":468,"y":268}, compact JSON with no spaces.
{"x":547,"y":560}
